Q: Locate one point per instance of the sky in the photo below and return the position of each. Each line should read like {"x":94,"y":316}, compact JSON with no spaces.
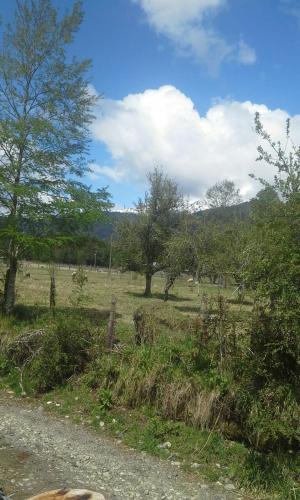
{"x":180,"y":82}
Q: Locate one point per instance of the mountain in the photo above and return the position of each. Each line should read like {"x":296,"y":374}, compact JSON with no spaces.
{"x":104,"y":230}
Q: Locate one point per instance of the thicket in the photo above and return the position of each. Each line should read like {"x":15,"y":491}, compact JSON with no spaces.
{"x":43,"y":358}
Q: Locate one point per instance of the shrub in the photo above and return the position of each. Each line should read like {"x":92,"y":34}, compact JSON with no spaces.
{"x":269,"y":385}
{"x":49,"y":356}
{"x":65,"y":351}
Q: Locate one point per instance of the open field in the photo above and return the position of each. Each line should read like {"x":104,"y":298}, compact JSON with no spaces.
{"x":101,"y":286}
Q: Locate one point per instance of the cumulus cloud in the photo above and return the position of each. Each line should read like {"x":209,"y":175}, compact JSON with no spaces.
{"x":188,"y":25}
{"x":162,"y":127}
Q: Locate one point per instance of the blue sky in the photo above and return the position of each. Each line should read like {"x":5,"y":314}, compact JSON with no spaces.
{"x":182,"y":80}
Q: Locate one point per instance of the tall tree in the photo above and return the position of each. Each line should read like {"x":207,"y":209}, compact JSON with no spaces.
{"x":141,"y":241}
{"x":223,"y":194}
{"x":269,"y":402}
{"x":274,"y":256}
{"x":45,"y":111}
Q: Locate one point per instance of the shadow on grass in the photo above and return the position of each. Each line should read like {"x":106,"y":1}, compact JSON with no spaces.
{"x":190,"y":309}
{"x":32,"y":313}
{"x":245,"y":302}
{"x":159,"y":295}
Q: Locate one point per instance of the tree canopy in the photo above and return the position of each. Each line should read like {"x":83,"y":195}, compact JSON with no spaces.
{"x":45,"y":111}
{"x":141,"y":242}
{"x":223,"y":194}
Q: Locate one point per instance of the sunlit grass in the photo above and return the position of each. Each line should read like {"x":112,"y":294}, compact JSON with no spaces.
{"x":101,"y":286}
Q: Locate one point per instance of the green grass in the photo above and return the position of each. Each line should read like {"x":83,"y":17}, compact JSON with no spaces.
{"x":126,"y":287}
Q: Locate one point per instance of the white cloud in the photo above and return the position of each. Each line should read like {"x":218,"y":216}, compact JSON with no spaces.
{"x":188,"y":25}
{"x":246,"y":54}
{"x":115,"y":174}
{"x":162,"y":127}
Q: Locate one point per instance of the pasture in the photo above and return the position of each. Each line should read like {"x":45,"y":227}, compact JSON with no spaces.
{"x":33,"y":284}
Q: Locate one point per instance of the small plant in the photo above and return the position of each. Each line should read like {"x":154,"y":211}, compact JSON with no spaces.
{"x":105,"y":399}
{"x":80,"y":279}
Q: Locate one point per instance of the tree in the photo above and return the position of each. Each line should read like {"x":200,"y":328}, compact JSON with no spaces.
{"x":180,"y":253}
{"x":141,"y":241}
{"x":45,"y":111}
{"x":274,"y":256}
{"x":286,"y":159}
{"x":223,"y":194}
{"x":269,"y":402}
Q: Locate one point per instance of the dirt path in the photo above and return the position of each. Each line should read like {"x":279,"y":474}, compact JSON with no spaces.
{"x":39,"y":452}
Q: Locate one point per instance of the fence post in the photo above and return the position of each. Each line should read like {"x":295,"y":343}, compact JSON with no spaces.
{"x":52,"y":287}
{"x":111,"y":324}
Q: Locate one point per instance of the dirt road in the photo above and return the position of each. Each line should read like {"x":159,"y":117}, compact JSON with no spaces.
{"x":39,"y":452}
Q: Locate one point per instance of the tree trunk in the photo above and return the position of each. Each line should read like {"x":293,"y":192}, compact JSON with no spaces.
{"x":10,"y":286}
{"x":169,"y":283}
{"x":147,"y":292}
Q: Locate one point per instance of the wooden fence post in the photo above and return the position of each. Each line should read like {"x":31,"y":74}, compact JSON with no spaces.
{"x":52,"y":287}
{"x":111,"y":324}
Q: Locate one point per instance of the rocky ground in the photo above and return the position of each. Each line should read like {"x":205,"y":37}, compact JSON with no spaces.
{"x":39,"y":452}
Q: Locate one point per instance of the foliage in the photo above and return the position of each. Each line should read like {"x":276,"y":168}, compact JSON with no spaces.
{"x":52,"y":355}
{"x":268,"y":402}
{"x":80,"y":279}
{"x":207,"y":249}
{"x":73,"y":250}
{"x":45,"y":111}
{"x":141,"y":241}
{"x":223,"y":194}
{"x":105,"y":399}
{"x":179,"y":383}
{"x":285,"y":158}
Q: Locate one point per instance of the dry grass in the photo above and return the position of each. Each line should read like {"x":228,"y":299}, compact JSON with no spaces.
{"x":177,"y":400}
{"x":127,"y":287}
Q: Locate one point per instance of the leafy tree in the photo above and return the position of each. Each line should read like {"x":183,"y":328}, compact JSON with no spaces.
{"x":269,"y":400}
{"x":286,"y":159}
{"x":274,"y":255}
{"x":45,"y":111}
{"x":223,"y":194}
{"x":141,"y":242}
{"x":204,"y":247}
{"x":180,"y":253}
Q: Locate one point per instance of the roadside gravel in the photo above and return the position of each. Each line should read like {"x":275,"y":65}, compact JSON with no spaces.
{"x":40,"y":452}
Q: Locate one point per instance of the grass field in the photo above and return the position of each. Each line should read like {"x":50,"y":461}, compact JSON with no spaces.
{"x":101,"y":286}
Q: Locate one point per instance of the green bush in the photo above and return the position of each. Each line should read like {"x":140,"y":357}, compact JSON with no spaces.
{"x":64,"y":351}
{"x":47,"y":357}
{"x":268,"y":394}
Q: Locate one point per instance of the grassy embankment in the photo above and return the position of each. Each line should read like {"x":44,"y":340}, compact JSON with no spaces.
{"x":170,"y":392}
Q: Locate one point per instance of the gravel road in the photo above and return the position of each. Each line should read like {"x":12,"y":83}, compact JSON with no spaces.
{"x":40,"y":452}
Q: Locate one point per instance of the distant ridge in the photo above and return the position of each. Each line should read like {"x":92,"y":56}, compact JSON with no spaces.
{"x":104,"y":230}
